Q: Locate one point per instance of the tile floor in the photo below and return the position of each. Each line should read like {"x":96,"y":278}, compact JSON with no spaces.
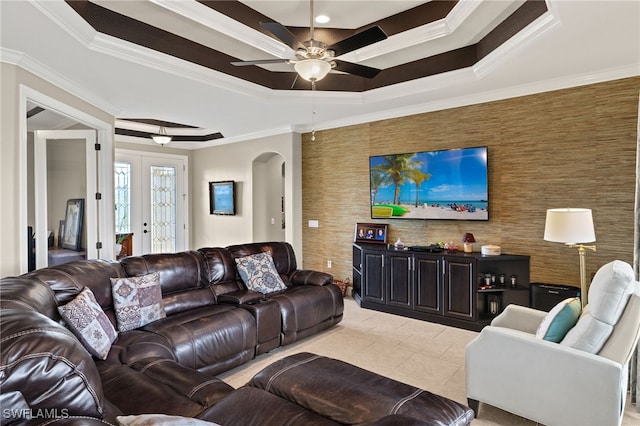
{"x":394,"y":346}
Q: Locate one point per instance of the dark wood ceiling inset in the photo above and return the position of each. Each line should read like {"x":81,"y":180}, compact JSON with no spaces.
{"x":159,"y":123}
{"x":34,"y":111}
{"x":175,"y":138}
{"x":123,"y":27}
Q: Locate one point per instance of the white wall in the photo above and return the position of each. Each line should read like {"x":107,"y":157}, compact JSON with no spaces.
{"x":268,"y":190}
{"x":13,"y":232}
{"x":236,"y":162}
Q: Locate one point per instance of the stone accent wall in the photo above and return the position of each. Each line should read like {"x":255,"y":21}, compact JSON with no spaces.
{"x":566,"y":148}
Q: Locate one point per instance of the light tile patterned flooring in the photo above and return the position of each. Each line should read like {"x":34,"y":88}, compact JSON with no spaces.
{"x":426,"y":355}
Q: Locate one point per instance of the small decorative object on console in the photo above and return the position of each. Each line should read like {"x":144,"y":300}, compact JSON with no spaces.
{"x":371,"y":233}
{"x":491,"y":250}
{"x":468,"y":239}
{"x":451,"y":247}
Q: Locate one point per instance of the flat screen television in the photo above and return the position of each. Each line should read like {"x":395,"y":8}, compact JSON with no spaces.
{"x":448,"y":184}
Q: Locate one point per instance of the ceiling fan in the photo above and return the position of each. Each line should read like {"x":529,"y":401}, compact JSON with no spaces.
{"x":314,"y":59}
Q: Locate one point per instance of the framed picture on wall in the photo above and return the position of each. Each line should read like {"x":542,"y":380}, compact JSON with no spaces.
{"x":371,"y":233}
{"x":222,"y":198}
{"x":72,"y":237}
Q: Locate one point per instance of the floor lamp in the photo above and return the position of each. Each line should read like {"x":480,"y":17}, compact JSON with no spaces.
{"x":572,"y":227}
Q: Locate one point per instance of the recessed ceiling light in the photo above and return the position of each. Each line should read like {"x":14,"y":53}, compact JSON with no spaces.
{"x":322,"y":19}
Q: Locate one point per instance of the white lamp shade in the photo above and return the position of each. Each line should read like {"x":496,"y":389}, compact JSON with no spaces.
{"x":161,"y":138}
{"x":312,"y":69}
{"x":569,"y":226}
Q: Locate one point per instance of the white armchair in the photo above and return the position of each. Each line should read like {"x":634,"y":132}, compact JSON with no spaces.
{"x":508,"y":367}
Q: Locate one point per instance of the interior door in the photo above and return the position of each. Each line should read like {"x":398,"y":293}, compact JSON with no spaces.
{"x":151,"y":201}
{"x":87,"y":140}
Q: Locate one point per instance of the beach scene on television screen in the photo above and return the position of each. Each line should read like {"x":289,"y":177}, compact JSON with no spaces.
{"x":448,"y":184}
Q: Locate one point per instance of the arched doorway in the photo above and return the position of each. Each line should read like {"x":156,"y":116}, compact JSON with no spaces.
{"x":268,"y":175}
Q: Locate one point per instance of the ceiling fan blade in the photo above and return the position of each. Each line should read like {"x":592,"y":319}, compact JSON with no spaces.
{"x":358,"y":40}
{"x":283,"y":34}
{"x":260,"y":62}
{"x":356,"y":69}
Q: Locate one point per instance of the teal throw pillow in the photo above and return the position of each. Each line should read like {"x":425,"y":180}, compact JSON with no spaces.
{"x":560,"y":320}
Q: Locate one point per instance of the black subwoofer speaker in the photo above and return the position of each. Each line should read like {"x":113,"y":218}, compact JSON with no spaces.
{"x":545,"y":296}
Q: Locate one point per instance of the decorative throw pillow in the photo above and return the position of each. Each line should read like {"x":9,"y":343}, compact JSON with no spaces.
{"x":137,"y":300}
{"x":86,"y":319}
{"x":560,"y":320}
{"x":259,"y":273}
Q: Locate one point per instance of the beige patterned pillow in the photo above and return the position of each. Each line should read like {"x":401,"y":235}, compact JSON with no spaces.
{"x":86,"y":319}
{"x":137,"y":300}
{"x":258,"y":272}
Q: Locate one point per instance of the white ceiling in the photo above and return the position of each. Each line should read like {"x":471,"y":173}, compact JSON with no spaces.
{"x":575,"y":42}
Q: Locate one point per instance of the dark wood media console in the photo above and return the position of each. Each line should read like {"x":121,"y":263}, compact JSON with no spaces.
{"x":447,"y":288}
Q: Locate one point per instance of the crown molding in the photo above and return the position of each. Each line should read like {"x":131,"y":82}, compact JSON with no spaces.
{"x":415,"y":36}
{"x":44,"y":72}
{"x":221,"y":23}
{"x":508,"y":50}
{"x":627,"y":71}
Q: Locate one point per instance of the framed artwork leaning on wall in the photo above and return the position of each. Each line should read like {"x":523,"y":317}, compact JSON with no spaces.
{"x":74,"y":216}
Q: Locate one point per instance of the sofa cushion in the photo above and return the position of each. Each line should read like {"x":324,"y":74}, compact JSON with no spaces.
{"x":137,"y":300}
{"x":87,"y":321}
{"x":609,"y":293}
{"x":282,"y":253}
{"x":258,"y":272}
{"x":47,"y":366}
{"x":560,"y":319}
{"x":308,"y":309}
{"x":211,"y":338}
{"x":184,"y":278}
{"x":68,"y":279}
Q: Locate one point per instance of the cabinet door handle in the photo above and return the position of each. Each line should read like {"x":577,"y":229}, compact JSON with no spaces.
{"x":553,"y":292}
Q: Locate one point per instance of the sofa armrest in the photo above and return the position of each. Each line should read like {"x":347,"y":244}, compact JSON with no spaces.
{"x":197,"y":386}
{"x":241,"y":297}
{"x":538,"y":379}
{"x":43,"y":366}
{"x":308,"y":277}
{"x":519,"y":318}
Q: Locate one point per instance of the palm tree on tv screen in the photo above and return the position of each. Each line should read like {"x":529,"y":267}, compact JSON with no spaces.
{"x":378,"y":180}
{"x":417,"y":177}
{"x":396,"y":167}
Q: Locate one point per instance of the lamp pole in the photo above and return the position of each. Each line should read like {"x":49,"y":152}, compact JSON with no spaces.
{"x":583,"y":271}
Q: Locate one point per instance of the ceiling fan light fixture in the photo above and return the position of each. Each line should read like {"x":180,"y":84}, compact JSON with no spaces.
{"x":161,"y":138}
{"x":322,"y":19}
{"x":312,"y":69}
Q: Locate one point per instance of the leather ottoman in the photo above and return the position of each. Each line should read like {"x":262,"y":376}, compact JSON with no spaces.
{"x":329,"y":391}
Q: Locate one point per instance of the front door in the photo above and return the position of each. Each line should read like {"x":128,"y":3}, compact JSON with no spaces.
{"x":151,"y":201}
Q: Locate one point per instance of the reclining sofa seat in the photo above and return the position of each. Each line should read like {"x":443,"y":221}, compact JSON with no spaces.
{"x":204,"y":335}
{"x":307,"y":306}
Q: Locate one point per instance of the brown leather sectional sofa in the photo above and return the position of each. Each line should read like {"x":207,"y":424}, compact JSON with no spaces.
{"x":212,"y":324}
